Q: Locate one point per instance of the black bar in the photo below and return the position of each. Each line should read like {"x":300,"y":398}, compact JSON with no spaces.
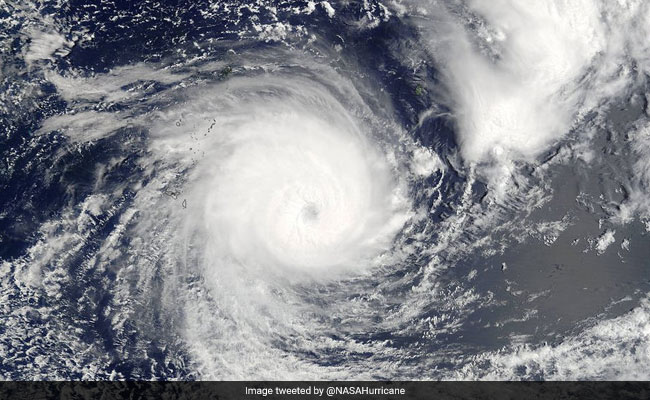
{"x":325,"y":390}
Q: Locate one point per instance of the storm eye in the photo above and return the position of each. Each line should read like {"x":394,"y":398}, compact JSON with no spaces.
{"x":310,"y":212}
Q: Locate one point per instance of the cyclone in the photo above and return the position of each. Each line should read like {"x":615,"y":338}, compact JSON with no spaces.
{"x":295,"y":186}
{"x":294,"y":190}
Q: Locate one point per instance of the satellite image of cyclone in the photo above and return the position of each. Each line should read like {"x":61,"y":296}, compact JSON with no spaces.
{"x":336,"y":190}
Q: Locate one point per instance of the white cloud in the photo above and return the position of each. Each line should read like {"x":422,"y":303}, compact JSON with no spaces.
{"x":613,"y":349}
{"x":328,"y":8}
{"x":425,"y":162}
{"x":524,"y":73}
{"x":605,"y":240}
{"x":46,"y":41}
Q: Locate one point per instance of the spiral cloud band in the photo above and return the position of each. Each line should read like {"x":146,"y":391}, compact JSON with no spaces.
{"x":288,"y":184}
{"x":266,"y":185}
